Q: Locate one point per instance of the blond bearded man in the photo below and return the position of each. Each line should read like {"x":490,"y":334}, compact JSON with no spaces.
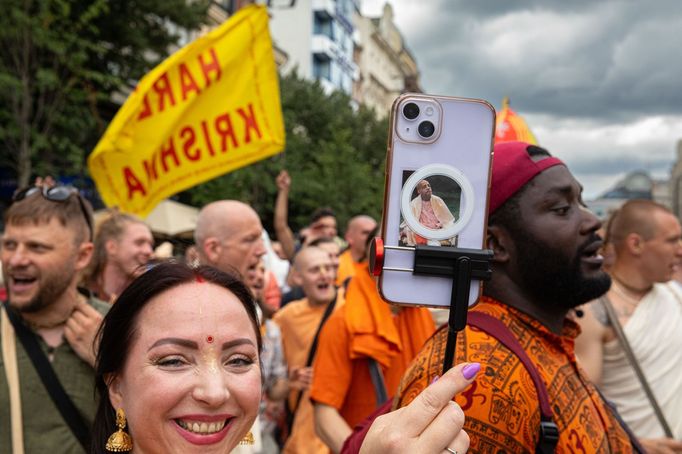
{"x":47,"y":243}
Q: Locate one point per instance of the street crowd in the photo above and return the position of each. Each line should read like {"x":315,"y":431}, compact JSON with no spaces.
{"x":268,"y":342}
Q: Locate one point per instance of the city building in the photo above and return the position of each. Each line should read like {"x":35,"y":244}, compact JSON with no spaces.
{"x":218,"y":12}
{"x":635,"y":185}
{"x":386,"y":66}
{"x":676,"y":182}
{"x":317,"y":36}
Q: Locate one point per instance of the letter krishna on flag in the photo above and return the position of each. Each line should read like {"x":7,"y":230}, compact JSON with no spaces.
{"x":208,"y":109}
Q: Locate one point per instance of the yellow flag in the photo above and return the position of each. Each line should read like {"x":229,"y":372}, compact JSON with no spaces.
{"x":208,"y":109}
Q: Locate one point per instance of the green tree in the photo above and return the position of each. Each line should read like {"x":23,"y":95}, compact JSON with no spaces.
{"x":63,"y":63}
{"x":334,"y":153}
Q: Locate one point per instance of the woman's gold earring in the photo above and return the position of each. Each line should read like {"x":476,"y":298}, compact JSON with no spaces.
{"x":248,"y":439}
{"x":120,"y":441}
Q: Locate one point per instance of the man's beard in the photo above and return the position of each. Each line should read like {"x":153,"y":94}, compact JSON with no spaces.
{"x":55,"y":285}
{"x":551,"y":277}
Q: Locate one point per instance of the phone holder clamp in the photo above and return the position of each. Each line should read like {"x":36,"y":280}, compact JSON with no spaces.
{"x":463,"y":265}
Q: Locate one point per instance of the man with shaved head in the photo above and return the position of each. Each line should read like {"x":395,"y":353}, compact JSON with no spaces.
{"x":228,"y":236}
{"x":359,"y":228}
{"x":648,"y":307}
{"x":300,"y":322}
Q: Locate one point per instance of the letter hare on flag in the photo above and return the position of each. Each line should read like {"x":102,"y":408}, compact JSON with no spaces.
{"x":210,"y":108}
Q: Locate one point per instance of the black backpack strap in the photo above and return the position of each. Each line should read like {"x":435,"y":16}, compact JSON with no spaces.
{"x":377,"y":381}
{"x":549,"y":432}
{"x":311,"y":356}
{"x":42,"y":365}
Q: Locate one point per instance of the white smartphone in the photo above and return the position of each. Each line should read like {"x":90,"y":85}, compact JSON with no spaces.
{"x":437,"y":184}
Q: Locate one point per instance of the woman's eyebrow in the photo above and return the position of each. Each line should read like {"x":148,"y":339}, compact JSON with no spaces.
{"x":237,"y":342}
{"x":176,"y":341}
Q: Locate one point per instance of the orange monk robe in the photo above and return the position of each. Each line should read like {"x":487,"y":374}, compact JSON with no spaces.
{"x":365,"y":327}
{"x":501,"y":406}
{"x":298,"y":322}
{"x":346,"y":267}
{"x":271,"y":293}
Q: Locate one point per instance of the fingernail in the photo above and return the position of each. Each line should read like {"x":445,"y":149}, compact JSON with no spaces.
{"x":435,"y":379}
{"x":470,"y":370}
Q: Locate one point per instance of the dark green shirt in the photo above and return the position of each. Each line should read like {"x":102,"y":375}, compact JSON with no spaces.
{"x":45,"y":431}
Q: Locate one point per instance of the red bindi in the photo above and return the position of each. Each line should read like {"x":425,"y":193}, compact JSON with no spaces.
{"x":200,"y":279}
{"x":209,"y":339}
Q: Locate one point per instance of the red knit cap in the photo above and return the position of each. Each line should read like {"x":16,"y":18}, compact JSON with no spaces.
{"x":512,"y":168}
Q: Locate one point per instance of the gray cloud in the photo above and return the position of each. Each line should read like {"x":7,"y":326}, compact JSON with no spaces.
{"x":612,"y":60}
{"x":601,"y":82}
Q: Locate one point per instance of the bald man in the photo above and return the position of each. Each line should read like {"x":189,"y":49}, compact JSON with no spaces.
{"x":359,"y":228}
{"x":646,"y":240}
{"x":431,"y":212}
{"x":299,"y":323}
{"x":228,"y":236}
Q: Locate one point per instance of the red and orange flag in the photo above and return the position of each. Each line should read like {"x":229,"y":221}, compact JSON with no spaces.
{"x":511,"y":127}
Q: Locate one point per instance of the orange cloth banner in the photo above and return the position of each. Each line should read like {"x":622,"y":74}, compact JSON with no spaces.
{"x":511,"y":127}
{"x":210,"y":108}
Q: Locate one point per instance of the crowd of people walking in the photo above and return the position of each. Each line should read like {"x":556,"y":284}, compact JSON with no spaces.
{"x":268,"y":342}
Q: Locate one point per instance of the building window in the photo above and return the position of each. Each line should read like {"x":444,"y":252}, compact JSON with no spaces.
{"x":323,"y":26}
{"x":321,"y":68}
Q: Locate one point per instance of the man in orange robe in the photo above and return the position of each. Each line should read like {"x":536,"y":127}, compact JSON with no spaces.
{"x":365,"y":327}
{"x":357,"y":232}
{"x":298,"y":321}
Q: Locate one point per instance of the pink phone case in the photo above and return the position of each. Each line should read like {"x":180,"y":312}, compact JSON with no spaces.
{"x":455,"y":164}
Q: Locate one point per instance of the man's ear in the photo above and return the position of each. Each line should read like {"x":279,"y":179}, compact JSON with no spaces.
{"x":110,"y":246}
{"x":85,"y":251}
{"x":499,"y":241}
{"x":634,"y":243}
{"x":296,"y":277}
{"x":115,"y":391}
{"x":212,"y":249}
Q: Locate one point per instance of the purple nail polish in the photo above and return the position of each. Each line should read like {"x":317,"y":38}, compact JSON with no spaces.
{"x":435,"y":379}
{"x":470,"y":370}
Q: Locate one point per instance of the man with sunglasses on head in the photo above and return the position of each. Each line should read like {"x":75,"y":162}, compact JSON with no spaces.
{"x":48,"y":324}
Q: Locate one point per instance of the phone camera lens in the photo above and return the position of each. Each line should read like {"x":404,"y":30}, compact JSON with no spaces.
{"x":411,"y":111}
{"x":426,"y":129}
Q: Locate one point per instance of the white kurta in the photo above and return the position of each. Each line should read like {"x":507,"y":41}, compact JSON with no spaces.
{"x":654,"y":332}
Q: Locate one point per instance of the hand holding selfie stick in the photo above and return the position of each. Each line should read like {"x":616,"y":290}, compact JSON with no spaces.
{"x":463,"y":265}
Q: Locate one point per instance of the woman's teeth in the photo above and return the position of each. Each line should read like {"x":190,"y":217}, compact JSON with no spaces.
{"x":201,"y":427}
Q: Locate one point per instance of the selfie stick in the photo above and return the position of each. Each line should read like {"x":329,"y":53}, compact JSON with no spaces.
{"x":463,"y":265}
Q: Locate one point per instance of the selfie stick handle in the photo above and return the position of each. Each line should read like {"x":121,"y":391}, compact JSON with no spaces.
{"x":459,"y":306}
{"x":462,"y":265}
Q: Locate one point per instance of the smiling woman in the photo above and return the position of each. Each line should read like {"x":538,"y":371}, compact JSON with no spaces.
{"x":178,"y":371}
{"x":179,"y":354}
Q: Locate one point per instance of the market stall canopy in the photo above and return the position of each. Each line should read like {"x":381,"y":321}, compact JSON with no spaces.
{"x":173,"y":218}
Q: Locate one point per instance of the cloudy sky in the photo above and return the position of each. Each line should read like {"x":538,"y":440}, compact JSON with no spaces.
{"x":599,"y":82}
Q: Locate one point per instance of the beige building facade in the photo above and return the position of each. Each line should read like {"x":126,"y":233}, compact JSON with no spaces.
{"x":386,"y":66}
{"x":676,"y":182}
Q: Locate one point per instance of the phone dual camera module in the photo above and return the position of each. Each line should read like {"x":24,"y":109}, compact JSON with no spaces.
{"x":419,"y":120}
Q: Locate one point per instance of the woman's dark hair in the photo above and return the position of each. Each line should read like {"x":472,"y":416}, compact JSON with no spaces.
{"x":119,"y":328}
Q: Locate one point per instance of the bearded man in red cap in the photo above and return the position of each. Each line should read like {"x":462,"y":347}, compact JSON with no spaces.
{"x":530,"y":395}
